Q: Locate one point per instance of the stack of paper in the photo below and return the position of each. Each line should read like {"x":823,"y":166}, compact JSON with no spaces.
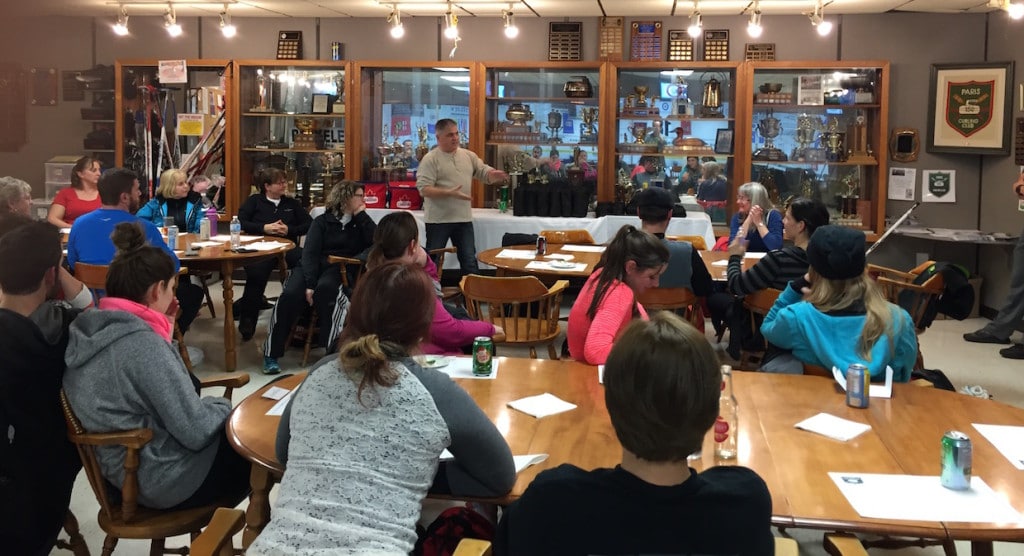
{"x":541,"y":405}
{"x":584,"y":248}
{"x":922,"y":498}
{"x":462,"y":367}
{"x":1009,"y":440}
{"x":557,"y":265}
{"x":515,"y":254}
{"x":520,"y":462}
{"x":833,"y":427}
{"x":263,"y":245}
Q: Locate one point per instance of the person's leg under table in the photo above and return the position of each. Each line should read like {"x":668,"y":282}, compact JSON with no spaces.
{"x":288,"y":308}
{"x":327,"y":297}
{"x":1013,"y":308}
{"x":248,"y":307}
{"x":464,"y":240}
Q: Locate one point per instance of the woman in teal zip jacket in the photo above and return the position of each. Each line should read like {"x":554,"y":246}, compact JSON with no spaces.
{"x":836,"y":315}
{"x":173,"y":199}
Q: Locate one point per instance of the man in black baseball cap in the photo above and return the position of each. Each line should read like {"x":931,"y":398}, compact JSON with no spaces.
{"x":686,"y":269}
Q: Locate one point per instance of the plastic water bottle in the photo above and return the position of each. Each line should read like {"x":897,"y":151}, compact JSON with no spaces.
{"x":727,"y":423}
{"x":236,"y":233}
{"x":211,"y":215}
{"x":204,"y":229}
{"x":172,"y":237}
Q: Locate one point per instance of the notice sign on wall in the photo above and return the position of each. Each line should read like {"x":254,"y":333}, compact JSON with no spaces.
{"x":172,"y":71}
{"x":938,"y":186}
{"x":190,"y":124}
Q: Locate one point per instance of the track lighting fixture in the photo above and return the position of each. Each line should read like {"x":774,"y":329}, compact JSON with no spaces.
{"x":823,"y":26}
{"x":121,"y":27}
{"x":227,"y":28}
{"x":171,"y":22}
{"x":451,"y":23}
{"x":395,"y":19}
{"x":695,"y":22}
{"x":511,"y":31}
{"x":754,"y":28}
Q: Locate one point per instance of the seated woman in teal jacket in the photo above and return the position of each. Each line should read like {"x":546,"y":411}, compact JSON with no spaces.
{"x":836,"y":315}
{"x":172,"y":199}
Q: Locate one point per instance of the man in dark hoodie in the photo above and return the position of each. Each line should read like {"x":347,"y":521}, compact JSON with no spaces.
{"x":38,"y":464}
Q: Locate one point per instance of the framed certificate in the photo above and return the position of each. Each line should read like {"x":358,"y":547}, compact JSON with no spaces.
{"x":321,"y":104}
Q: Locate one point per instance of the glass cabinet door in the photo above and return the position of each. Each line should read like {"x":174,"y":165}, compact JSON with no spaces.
{"x":293,"y":119}
{"x":816,"y":133}
{"x":675,"y":129}
{"x":542,"y":126}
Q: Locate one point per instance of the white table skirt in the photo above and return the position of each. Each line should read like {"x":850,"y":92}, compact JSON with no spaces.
{"x":489,"y":226}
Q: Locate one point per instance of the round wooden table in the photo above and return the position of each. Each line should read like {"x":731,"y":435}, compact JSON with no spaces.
{"x":539,"y":265}
{"x":220,"y":258}
{"x":904,"y":439}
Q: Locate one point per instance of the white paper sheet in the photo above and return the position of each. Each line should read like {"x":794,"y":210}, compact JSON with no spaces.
{"x":720,"y":263}
{"x":520,"y":462}
{"x":584,"y":248}
{"x":278,"y":408}
{"x":561,"y":266}
{"x":1009,"y":440}
{"x":462,"y":367}
{"x":600,"y":374}
{"x":875,"y":390}
{"x":206,"y":243}
{"x":902,"y":182}
{"x":833,"y":427}
{"x":226,"y":237}
{"x":515,"y":254}
{"x":541,"y":405}
{"x":263,"y":245}
{"x":560,"y":257}
{"x":922,"y":498}
{"x":275,"y":393}
{"x":750,"y":255}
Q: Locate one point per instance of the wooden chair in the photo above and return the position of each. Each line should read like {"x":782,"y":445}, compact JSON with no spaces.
{"x":203,"y":276}
{"x":75,"y":542}
{"x":846,"y":544}
{"x":673,"y":299}
{"x":215,"y":540}
{"x":899,"y":288}
{"x":129,"y":520}
{"x":523,"y":306}
{"x":94,"y":277}
{"x":697,"y":241}
{"x":567,"y":236}
{"x":758,"y":304}
{"x":450,"y":294}
{"x":305,"y":335}
{"x":783,"y":547}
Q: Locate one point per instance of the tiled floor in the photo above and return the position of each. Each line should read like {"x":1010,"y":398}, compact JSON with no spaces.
{"x":964,"y":363}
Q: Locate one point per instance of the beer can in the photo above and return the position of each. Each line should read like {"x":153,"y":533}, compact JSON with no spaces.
{"x":956,"y":461}
{"x":172,"y":237}
{"x":542,"y":246}
{"x":858,"y":383}
{"x":483,"y":356}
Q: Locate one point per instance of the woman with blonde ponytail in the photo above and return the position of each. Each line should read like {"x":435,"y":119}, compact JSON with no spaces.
{"x":361,"y":437}
{"x":835,"y":315}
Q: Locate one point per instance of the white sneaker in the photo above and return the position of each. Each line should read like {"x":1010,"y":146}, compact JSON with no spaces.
{"x":975,"y":390}
{"x":195,"y":355}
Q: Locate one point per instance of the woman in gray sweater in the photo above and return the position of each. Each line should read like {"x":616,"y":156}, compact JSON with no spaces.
{"x":361,"y":438}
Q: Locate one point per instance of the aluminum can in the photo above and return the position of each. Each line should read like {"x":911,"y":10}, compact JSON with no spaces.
{"x":204,"y":229}
{"x":956,"y":461}
{"x":858,"y":383}
{"x":483,"y":356}
{"x":542,"y":246}
{"x":336,"y":52}
{"x":172,"y":237}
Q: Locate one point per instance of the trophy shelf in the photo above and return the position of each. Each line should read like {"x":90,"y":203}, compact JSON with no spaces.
{"x":673,"y":118}
{"x":804,"y":107}
{"x":681,"y":154}
{"x":290,"y":115}
{"x":814,"y":163}
{"x":290,"y":150}
{"x":542,"y":143}
{"x":561,"y":99}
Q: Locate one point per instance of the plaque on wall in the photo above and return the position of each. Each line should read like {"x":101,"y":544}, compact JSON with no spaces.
{"x":565,"y":41}
{"x":645,"y":41}
{"x":289,"y":45}
{"x":716,"y":45}
{"x":610,"y":44}
{"x":680,"y":46}
{"x":759,"y":52}
{"x":44,"y":86}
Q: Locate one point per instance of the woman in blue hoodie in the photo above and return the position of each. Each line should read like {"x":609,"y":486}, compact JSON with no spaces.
{"x":835,"y":315}
{"x":173,"y":200}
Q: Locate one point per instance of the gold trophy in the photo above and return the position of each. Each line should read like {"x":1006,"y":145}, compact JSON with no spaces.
{"x":422,"y":148}
{"x":641,"y":95}
{"x":339,"y":100}
{"x":554,"y":125}
{"x":639,"y":132}
{"x":806,"y":129}
{"x":305,"y":139}
{"x":264,"y":88}
{"x":769,"y":128}
{"x":834,"y":142}
{"x":588,"y":133}
{"x":859,"y":151}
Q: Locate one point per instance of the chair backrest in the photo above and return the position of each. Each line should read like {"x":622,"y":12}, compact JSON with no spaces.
{"x":899,"y":288}
{"x":761,"y":301}
{"x":567,"y":236}
{"x":522,"y":304}
{"x":347,"y":265}
{"x":697,"y":241}
{"x":438,"y":256}
{"x":671,"y":299}
{"x":86,"y":443}
{"x":93,"y":276}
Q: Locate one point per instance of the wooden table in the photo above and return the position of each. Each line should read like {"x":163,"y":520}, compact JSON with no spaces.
{"x":517,"y":267}
{"x":720,"y":273}
{"x":221,"y":259}
{"x":904,"y":439}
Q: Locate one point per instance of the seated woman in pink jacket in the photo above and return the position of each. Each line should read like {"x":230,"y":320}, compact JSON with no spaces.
{"x":632,"y":263}
{"x":397,"y":239}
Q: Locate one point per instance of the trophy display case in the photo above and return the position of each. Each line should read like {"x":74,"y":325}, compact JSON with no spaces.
{"x":674,"y":128}
{"x":818,"y":130}
{"x":292,"y":116}
{"x":194,"y":102}
{"x":542,"y":125}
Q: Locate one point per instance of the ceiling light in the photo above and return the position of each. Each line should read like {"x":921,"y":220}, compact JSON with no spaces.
{"x":451,"y":23}
{"x":823,"y":26}
{"x":695,"y":22}
{"x":754,"y":28}
{"x":227,"y":28}
{"x":511,"y":31}
{"x":171,"y":22}
{"x":121,"y":27}
{"x":1016,"y":11}
{"x":395,"y":19}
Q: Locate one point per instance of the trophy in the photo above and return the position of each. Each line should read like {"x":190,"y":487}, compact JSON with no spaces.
{"x":305,"y":139}
{"x":834,"y":142}
{"x":641,"y":95}
{"x":518,"y":114}
{"x":588,"y":133}
{"x":712,"y":99}
{"x":806,"y":128}
{"x":554,"y":124}
{"x":339,"y":100}
{"x":639,"y":132}
{"x":264,"y":92}
{"x":422,"y":149}
{"x":769,"y":128}
{"x":859,"y":151}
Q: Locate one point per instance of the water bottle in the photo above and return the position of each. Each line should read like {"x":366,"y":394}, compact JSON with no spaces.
{"x":727,"y":423}
{"x":236,"y":233}
{"x":172,"y":237}
{"x":204,"y":229}
{"x":211,"y":215}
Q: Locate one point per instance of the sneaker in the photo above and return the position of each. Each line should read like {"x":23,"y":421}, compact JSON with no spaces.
{"x":982,"y":337}
{"x":247,"y":327}
{"x":270,"y":366}
{"x":1015,"y":351}
{"x":975,"y":390}
{"x":195,"y":355}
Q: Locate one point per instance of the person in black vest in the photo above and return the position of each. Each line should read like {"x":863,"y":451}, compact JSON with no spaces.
{"x":269,"y":212}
